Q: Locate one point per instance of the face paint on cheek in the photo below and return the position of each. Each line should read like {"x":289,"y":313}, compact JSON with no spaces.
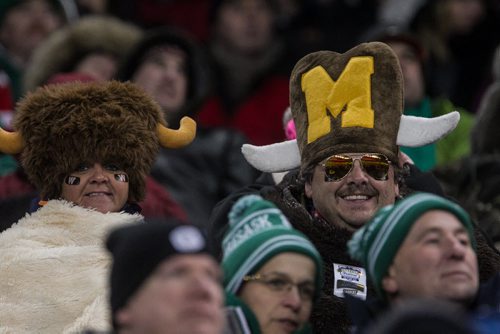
{"x":121,"y":177}
{"x":72,"y":180}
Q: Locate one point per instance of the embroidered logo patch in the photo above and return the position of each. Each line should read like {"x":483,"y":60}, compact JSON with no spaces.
{"x":186,"y":239}
{"x":349,"y":280}
{"x":349,"y":97}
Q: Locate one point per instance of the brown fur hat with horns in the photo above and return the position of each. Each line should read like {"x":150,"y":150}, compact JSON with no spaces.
{"x":60,"y":126}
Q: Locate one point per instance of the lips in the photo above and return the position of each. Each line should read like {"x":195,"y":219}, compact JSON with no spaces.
{"x":355,"y":197}
{"x":98,"y":193}
{"x":456,"y":274}
{"x":203,"y":310}
{"x":356,"y":192}
{"x":289,"y":325}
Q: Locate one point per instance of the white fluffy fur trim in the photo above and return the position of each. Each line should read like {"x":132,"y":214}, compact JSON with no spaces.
{"x":54,"y":270}
{"x":413,"y":132}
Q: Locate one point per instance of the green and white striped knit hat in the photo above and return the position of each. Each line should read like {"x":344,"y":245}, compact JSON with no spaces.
{"x":376,"y":244}
{"x":258,"y":231}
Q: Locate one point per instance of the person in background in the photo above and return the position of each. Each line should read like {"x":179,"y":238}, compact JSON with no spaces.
{"x":250,"y":68}
{"x":24,"y":25}
{"x":164,"y":279}
{"x":417,"y":101}
{"x":422,"y":247}
{"x":474,"y":180}
{"x":88,"y":148}
{"x":457,"y":35}
{"x":191,"y":16}
{"x":94,"y":46}
{"x":272,"y":273}
{"x":170,"y":66}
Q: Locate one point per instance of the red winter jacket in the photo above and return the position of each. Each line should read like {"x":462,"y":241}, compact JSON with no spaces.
{"x":259,"y":117}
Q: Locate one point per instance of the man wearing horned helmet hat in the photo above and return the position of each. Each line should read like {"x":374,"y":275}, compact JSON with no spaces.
{"x":88,"y":148}
{"x":347,"y":110}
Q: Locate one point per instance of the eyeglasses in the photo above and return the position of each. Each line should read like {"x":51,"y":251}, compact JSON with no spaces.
{"x":283,"y":284}
{"x":374,"y":164}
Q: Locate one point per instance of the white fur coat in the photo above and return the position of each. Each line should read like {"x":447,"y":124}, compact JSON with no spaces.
{"x":54,"y":270}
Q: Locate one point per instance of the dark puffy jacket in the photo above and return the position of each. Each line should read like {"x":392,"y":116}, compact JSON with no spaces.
{"x":204,"y":172}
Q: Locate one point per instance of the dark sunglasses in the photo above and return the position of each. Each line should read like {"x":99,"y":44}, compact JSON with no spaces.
{"x":337,"y":166}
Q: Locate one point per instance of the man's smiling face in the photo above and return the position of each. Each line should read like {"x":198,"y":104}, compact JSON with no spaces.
{"x":101,"y":187}
{"x":352,"y":201}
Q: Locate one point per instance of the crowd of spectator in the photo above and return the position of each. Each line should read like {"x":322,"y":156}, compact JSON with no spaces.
{"x":249,"y":166}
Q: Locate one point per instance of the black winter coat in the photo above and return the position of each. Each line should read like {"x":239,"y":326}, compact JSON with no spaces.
{"x":204,"y":172}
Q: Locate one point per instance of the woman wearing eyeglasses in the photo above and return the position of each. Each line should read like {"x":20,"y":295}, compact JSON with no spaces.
{"x":272,"y":272}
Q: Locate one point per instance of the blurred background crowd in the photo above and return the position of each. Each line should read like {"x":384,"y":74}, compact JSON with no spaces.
{"x":227,"y":63}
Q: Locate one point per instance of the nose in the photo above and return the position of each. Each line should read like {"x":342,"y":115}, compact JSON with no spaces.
{"x":456,"y":249}
{"x":99,"y":175}
{"x":39,"y":11}
{"x":205,"y":288}
{"x":167,"y":71}
{"x":292,"y":299}
{"x":357,"y":174}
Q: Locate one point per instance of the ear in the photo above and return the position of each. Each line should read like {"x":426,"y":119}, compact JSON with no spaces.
{"x":389,"y":283}
{"x":308,"y":189}
{"x":122,"y":317}
{"x":396,"y":182}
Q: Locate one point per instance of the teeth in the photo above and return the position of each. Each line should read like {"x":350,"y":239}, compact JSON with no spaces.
{"x":356,"y":197}
{"x":96,"y":194}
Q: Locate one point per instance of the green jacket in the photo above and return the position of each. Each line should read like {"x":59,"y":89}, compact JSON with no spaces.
{"x":448,"y":149}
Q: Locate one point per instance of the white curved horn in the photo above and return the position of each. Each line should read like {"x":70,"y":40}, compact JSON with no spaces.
{"x":419,"y":131}
{"x":279,"y":157}
{"x":413,"y":131}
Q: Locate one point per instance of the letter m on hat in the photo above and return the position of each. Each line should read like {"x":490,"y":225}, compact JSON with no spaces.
{"x":349,"y":97}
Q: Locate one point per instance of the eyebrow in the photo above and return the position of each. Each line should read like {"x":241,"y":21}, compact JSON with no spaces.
{"x":282,"y":274}
{"x":459,"y":230}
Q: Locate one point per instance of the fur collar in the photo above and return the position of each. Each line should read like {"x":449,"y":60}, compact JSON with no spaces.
{"x":329,"y":314}
{"x":54,"y":270}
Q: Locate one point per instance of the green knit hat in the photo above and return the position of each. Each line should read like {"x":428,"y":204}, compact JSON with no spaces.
{"x":258,"y":231}
{"x":376,"y":244}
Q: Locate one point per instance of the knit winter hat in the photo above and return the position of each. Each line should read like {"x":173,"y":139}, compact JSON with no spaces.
{"x":58,"y":127}
{"x":258,"y":231}
{"x":138,"y":249}
{"x":376,"y":244}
